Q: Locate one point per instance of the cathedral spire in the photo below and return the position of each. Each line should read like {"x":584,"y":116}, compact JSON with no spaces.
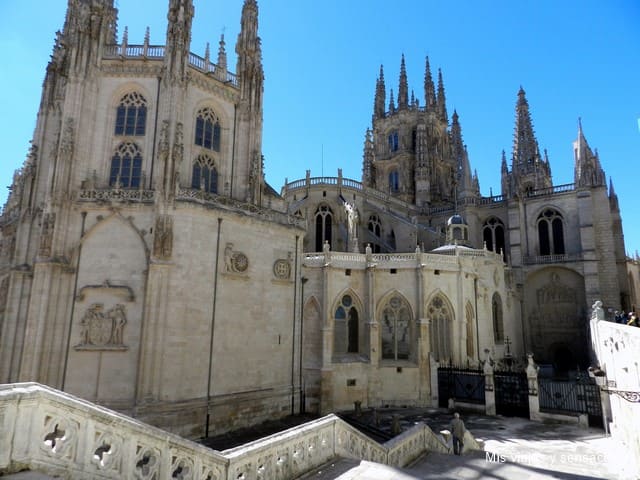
{"x":403,"y":88}
{"x":392,"y":105}
{"x":429,"y":88}
{"x":525,"y":145}
{"x":587,"y":170}
{"x":380,"y":98}
{"x":441,"y":101}
{"x":529,"y":170}
{"x":178,"y":43}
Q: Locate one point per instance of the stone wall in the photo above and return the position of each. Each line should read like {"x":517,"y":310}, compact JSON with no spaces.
{"x":617,"y":348}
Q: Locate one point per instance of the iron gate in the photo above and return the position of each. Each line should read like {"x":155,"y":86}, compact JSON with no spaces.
{"x":512,"y":393}
{"x":462,"y":384}
{"x":580,"y":395}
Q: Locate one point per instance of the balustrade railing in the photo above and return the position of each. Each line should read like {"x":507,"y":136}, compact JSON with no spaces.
{"x":116,"y":194}
{"x":47,"y":431}
{"x":157,"y":52}
{"x":546,"y":259}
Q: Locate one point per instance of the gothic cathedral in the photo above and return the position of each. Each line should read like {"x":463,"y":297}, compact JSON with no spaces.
{"x":146,"y":265}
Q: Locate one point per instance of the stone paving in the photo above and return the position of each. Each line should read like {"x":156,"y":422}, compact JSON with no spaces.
{"x":515,"y":449}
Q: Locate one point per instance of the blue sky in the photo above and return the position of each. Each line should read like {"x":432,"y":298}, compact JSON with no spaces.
{"x":573,"y":58}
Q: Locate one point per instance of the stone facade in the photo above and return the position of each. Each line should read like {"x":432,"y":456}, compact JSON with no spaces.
{"x":139,"y":240}
{"x":384,"y":318}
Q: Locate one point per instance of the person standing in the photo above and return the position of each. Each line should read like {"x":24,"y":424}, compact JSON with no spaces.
{"x":457,"y":432}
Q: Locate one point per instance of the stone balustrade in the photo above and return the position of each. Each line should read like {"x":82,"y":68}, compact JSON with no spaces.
{"x":42,"y":429}
{"x":396,"y":260}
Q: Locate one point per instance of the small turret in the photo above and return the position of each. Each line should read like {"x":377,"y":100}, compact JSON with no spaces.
{"x":392,"y":105}
{"x":89,"y":26}
{"x":178,"y":43}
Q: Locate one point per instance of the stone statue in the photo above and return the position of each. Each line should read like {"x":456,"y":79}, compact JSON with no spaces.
{"x":352,"y":221}
{"x":597,"y":312}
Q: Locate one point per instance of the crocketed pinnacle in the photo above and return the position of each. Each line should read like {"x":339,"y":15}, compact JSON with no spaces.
{"x":380,"y":97}
{"x":403,"y":88}
{"x":441,"y":101}
{"x":429,"y":88}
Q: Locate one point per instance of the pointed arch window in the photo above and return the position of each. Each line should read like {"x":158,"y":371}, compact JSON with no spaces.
{"x":131,"y":115}
{"x":375,"y":227}
{"x":208,"y":130}
{"x":323,"y":217}
{"x":551,"y":233}
{"x":346,"y":327}
{"x":441,"y":317}
{"x":396,"y":329}
{"x":204,"y":176}
{"x":470,"y":320}
{"x":393,"y":141}
{"x":496,"y":313}
{"x":126,"y":166}
{"x":394,"y":181}
{"x":493,"y":235}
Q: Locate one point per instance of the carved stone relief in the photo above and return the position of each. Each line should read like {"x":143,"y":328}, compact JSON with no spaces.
{"x":282,"y":268}
{"x":102,"y":330}
{"x":234,"y":261}
{"x":163,"y":237}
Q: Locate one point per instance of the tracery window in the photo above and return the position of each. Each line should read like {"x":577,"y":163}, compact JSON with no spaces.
{"x":131,"y":115}
{"x":441,"y":318}
{"x":375,"y":227}
{"x":496,"y":313}
{"x":551,"y":233}
{"x":346,"y":328}
{"x":493,"y":235}
{"x":396,"y":329}
{"x":324,"y":218}
{"x":204,"y":176}
{"x":126,"y":166}
{"x":208,"y":130}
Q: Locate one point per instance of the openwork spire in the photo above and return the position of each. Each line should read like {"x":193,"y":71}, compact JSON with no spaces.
{"x":392,"y":104}
{"x":525,"y":145}
{"x":403,"y":88}
{"x":529,"y":171}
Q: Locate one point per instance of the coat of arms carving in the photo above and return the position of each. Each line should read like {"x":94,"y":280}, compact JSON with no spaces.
{"x":102,"y":330}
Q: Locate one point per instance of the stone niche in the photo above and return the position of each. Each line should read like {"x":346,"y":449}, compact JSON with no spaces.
{"x":556,"y":317}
